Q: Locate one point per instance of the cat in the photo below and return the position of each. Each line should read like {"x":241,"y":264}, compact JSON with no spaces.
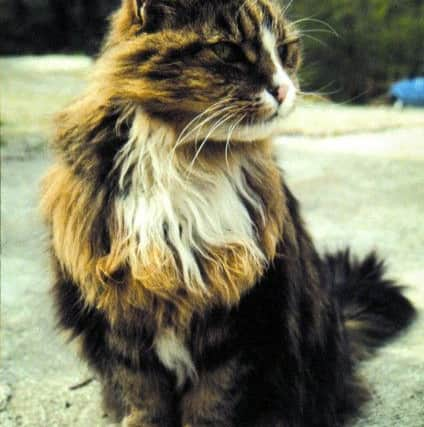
{"x":182,"y":264}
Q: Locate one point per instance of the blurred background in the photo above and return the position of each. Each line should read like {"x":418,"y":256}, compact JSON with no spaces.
{"x":353,"y":49}
{"x":353,"y":153}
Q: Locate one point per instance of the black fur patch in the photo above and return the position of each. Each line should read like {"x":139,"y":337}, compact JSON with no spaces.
{"x":368,"y":298}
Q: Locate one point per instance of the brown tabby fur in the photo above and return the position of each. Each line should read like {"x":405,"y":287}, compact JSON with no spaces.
{"x":72,"y":204}
{"x":114,"y":282}
{"x":267,"y":340}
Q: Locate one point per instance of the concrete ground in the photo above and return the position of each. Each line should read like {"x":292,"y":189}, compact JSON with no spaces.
{"x":364,"y":190}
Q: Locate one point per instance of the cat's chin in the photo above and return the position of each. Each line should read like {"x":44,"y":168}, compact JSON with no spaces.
{"x":265,"y":128}
{"x":271,"y":127}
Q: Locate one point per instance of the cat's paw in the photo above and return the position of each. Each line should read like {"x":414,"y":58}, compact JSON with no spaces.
{"x":140,"y":419}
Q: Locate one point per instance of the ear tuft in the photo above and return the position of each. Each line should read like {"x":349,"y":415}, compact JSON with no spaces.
{"x":140,"y":11}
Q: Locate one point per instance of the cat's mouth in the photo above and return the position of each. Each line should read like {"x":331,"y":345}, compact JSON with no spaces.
{"x":256,"y":121}
{"x":267,"y":116}
{"x":266,"y":125}
{"x":271,"y":117}
{"x":272,"y":110}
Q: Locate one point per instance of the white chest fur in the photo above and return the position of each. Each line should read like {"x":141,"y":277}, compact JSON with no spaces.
{"x":167,"y":207}
{"x":175,"y":356}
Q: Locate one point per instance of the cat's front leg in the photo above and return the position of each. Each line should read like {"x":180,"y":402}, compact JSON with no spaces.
{"x":113,"y":405}
{"x":149,"y":396}
{"x":213,"y":399}
{"x":142,"y":418}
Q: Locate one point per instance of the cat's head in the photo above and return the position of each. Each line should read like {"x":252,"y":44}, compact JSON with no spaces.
{"x":223,"y":67}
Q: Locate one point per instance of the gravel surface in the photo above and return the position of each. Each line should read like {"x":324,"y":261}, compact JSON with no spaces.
{"x":365,"y":190}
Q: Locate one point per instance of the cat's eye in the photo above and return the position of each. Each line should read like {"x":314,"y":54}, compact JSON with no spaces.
{"x":289,"y":53}
{"x":228,"y":52}
{"x":283,"y":52}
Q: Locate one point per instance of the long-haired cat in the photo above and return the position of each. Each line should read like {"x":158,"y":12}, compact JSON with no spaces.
{"x":181,"y":260}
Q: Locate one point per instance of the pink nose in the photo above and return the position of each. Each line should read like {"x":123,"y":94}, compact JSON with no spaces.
{"x":282,"y":93}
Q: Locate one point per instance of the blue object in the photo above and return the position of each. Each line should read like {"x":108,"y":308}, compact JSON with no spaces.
{"x":409,"y":91}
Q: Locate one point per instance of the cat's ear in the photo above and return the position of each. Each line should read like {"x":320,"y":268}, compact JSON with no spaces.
{"x":140,"y":11}
{"x":154,"y":14}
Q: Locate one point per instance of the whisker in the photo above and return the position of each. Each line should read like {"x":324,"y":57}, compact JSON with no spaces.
{"x":208,"y":119}
{"x":216,"y":126}
{"x":354,"y":98}
{"x":214,"y":106}
{"x":315,"y":30}
{"x":287,"y":7}
{"x":318,"y":21}
{"x":182,"y":139}
{"x":227,"y":146}
{"x":317,"y":96}
{"x":321,"y":97}
{"x":319,"y":92}
{"x":319,"y":41}
{"x":230,"y":134}
{"x":235,"y":108}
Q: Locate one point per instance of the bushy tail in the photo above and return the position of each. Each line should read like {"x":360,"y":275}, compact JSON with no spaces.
{"x":373,"y":306}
